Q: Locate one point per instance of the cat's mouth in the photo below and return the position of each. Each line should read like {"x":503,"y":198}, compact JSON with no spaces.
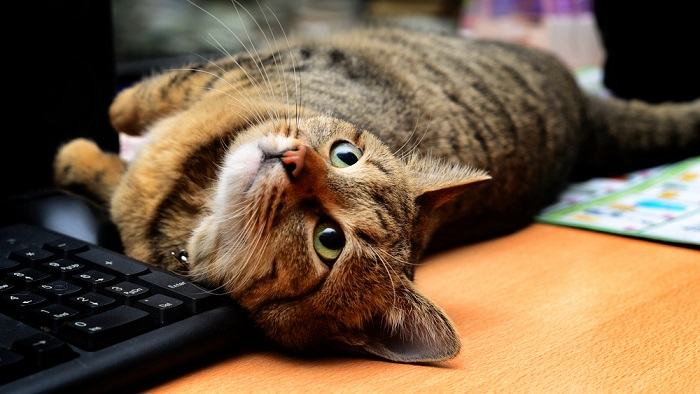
{"x":257,"y":162}
{"x":265,"y":165}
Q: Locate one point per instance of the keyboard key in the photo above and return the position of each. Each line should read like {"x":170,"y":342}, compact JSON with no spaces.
{"x":7,"y":265}
{"x":91,"y":302}
{"x":8,"y":244}
{"x":12,"y":365}
{"x":196,"y":298}
{"x":21,"y":301}
{"x":163,"y":309}
{"x":5,"y":287}
{"x":50,"y":317}
{"x":104,"y":329}
{"x":126,"y":291}
{"x":58,"y":289}
{"x":44,"y":350}
{"x":94,"y":278}
{"x":32,"y":254}
{"x":27,"y":276}
{"x":12,"y":330}
{"x":62,"y":267}
{"x":114,"y":263}
{"x":64,"y":246}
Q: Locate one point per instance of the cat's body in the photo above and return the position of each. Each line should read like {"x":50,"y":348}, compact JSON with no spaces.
{"x":514,"y":112}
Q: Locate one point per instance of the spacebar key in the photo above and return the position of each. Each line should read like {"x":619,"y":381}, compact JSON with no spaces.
{"x":107,"y":328}
{"x":196,"y":298}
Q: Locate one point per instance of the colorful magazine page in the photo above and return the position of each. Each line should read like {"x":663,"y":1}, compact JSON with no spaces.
{"x":661,"y":203}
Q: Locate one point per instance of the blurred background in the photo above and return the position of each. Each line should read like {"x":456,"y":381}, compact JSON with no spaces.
{"x":158,"y":33}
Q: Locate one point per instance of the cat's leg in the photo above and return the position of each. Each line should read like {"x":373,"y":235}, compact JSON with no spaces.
{"x":82,"y":165}
{"x":137,"y":107}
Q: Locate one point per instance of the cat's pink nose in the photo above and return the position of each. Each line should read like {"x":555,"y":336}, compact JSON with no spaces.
{"x":293,"y":161}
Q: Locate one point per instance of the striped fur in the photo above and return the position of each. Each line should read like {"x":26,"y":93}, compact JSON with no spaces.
{"x":432,"y":113}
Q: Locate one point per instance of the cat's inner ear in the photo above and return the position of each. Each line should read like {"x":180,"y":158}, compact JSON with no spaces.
{"x":413,"y":330}
{"x":436,"y":182}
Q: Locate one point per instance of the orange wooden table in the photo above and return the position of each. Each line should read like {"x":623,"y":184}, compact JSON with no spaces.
{"x":547,"y":308}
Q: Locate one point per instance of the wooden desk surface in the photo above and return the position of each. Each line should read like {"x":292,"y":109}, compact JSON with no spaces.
{"x":547,"y":308}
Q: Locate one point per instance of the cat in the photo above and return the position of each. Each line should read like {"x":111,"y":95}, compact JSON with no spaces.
{"x":307,"y":180}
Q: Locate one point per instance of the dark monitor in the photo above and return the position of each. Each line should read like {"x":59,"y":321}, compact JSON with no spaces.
{"x":59,"y":81}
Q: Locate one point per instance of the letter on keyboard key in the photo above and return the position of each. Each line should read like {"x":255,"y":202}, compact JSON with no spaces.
{"x":126,"y":291}
{"x":196,"y":298}
{"x":113,"y":262}
{"x":51,"y":316}
{"x":62,"y":266}
{"x":22,"y":300}
{"x":163,"y":309}
{"x":107,"y":328}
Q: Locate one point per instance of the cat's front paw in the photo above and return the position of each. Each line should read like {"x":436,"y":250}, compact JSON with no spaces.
{"x":82,"y":165}
{"x":74,"y":162}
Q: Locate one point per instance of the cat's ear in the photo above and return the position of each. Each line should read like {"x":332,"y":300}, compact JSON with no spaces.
{"x":437,"y":182}
{"x":412,"y":330}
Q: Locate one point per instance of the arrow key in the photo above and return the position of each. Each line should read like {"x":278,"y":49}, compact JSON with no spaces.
{"x":21,"y":301}
{"x":27,"y":276}
{"x":92,"y":302}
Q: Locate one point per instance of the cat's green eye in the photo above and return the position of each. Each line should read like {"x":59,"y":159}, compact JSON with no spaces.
{"x":344,"y":154}
{"x":328,"y":241}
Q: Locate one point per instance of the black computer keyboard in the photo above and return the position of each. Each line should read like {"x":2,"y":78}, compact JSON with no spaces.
{"x":74,"y":316}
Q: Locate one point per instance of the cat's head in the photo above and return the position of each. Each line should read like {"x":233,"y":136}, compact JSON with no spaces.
{"x":315,"y":229}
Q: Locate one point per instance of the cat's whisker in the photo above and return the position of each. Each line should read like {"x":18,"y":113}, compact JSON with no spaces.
{"x":254,"y":113}
{"x":244,"y":105}
{"x":410,"y":136}
{"x":391,"y":280}
{"x":419,"y":120}
{"x":256,"y":54}
{"x":233,"y":34}
{"x":253,"y":80}
{"x":297,"y":76}
{"x":242,"y":272}
{"x":243,"y":275}
{"x":417,"y":144}
{"x":275,"y":55}
{"x":269,"y":45}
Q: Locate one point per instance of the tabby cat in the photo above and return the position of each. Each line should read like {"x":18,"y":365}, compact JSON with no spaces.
{"x":307,"y":180}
